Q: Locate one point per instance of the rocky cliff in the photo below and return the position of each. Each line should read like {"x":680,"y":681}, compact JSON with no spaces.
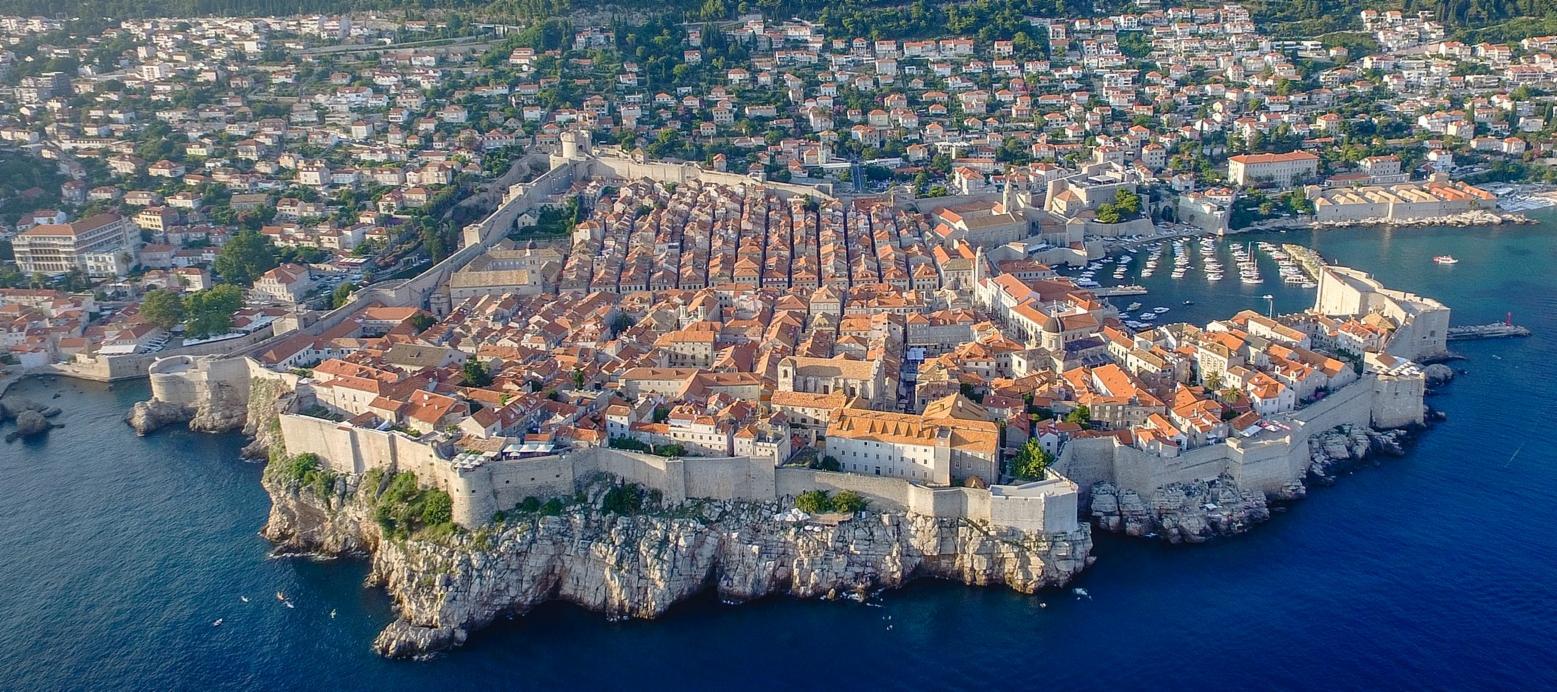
{"x":1199,"y":511}
{"x":640,"y":564}
{"x":225,"y":408}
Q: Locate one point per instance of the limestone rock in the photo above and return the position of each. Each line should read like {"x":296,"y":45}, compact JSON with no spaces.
{"x":1438,"y":374}
{"x":147,"y":416}
{"x":1179,"y":512}
{"x":639,"y":565}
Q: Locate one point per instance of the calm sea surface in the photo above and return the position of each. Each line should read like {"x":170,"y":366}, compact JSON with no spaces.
{"x":1438,"y":570}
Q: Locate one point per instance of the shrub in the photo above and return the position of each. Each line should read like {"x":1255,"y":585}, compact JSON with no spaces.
{"x":814,"y":502}
{"x":405,"y":509}
{"x":829,"y":463}
{"x":623,"y":499}
{"x":530,"y":504}
{"x":552,"y":507}
{"x":848,"y":501}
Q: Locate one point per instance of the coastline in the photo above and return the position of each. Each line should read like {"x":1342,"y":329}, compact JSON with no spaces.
{"x":639,"y":564}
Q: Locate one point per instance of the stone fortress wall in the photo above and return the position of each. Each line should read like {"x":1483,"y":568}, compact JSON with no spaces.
{"x":480,"y":491}
{"x":1268,"y":462}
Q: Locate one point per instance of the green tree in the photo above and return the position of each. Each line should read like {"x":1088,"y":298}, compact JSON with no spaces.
{"x":162,"y":308}
{"x":476,"y":374}
{"x":1031,"y":462}
{"x":814,"y":502}
{"x":421,"y":321}
{"x":209,"y":312}
{"x":342,"y":294}
{"x":245,"y":256}
{"x":1081,"y":415}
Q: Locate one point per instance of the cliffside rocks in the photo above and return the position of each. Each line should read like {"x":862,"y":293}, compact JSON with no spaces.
{"x":1198,"y":511}
{"x":1179,"y":512}
{"x":151,"y":415}
{"x":1349,"y":444}
{"x":639,"y":565}
{"x":1438,"y":374}
{"x":224,"y":409}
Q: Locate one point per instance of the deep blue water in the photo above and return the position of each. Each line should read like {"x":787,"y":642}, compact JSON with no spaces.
{"x":1438,"y":570}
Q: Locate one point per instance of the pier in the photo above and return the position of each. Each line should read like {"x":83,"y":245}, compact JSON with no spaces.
{"x":1308,"y":260}
{"x":1496,"y":330}
{"x":1113,"y":291}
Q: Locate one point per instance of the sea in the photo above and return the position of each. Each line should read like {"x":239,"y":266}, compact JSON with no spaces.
{"x":1437,"y":570}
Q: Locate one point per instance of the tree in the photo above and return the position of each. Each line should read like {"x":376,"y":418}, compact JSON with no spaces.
{"x":476,"y":374}
{"x":1031,"y":462}
{"x":342,"y":294}
{"x":162,"y":308}
{"x":421,"y":321}
{"x":209,"y":312}
{"x":247,"y":255}
{"x":813,"y":502}
{"x":1081,"y":415}
{"x":578,"y":378}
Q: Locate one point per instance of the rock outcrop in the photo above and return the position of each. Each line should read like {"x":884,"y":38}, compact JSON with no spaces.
{"x":639,"y":565}
{"x":1180,"y":512}
{"x":1437,"y":374}
{"x":31,"y":418}
{"x":151,"y":415}
{"x":1349,"y":444}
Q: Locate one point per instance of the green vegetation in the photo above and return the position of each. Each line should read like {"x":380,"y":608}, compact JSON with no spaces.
{"x":629,"y":498}
{"x":162,"y":308}
{"x":421,"y":321}
{"x":26,"y":185}
{"x":304,"y":471}
{"x":632,"y":445}
{"x":1031,"y":462}
{"x":209,"y":313}
{"x":404,"y":509}
{"x":475,"y":373}
{"x":1126,"y":206}
{"x":553,"y":222}
{"x":1257,"y":206}
{"x":821,"y":502}
{"x":1081,"y":415}
{"x":247,"y":255}
{"x":342,"y":294}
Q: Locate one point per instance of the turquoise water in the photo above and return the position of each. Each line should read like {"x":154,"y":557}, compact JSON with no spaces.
{"x":1436,"y":570}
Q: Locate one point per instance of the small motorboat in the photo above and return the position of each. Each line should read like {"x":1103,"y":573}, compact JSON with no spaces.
{"x":288,"y":604}
{"x":1159,"y":310}
{"x":1189,"y":302}
{"x":332,"y":613}
{"x":218,"y":623}
{"x":245,"y":599}
{"x":1445,"y":259}
{"x":281,"y":597}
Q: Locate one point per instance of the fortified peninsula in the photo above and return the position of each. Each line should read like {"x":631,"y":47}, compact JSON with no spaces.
{"x":798,"y":394}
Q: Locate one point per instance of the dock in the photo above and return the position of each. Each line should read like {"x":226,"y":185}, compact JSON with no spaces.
{"x":1496,"y":330}
{"x":1308,"y":260}
{"x":1112,"y":291}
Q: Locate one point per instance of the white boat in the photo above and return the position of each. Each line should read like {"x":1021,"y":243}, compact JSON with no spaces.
{"x":1132,"y":307}
{"x":218,"y":623}
{"x":1250,"y":279}
{"x":1159,"y":310}
{"x":281,"y":597}
{"x":288,"y":604}
{"x":332,"y":613}
{"x":245,"y":599}
{"x":1445,"y":259}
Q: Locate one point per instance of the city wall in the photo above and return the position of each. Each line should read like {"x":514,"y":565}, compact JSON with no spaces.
{"x":1267,"y":462}
{"x":480,"y":491}
{"x":109,"y":368}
